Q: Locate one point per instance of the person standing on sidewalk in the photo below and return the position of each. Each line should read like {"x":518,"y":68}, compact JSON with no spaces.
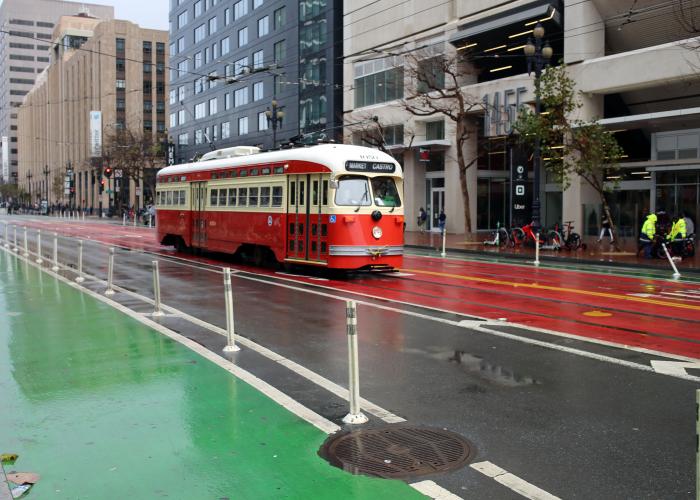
{"x":422,"y":218}
{"x":442,"y":219}
{"x":646,"y":236}
{"x":605,"y":226}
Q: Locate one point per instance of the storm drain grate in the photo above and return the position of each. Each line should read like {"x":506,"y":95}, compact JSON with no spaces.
{"x":398,"y":452}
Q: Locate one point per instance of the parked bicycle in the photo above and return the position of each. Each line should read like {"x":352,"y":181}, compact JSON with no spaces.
{"x":524,"y":235}
{"x":567,"y":239}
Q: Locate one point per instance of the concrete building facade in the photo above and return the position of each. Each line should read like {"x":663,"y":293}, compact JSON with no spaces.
{"x":230,"y":60}
{"x":636,"y":63}
{"x":112,"y":67}
{"x":26,"y":32}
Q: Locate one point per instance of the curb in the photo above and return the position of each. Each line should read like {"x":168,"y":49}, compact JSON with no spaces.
{"x":564,"y":260}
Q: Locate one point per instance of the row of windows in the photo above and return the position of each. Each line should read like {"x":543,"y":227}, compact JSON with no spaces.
{"x":264,"y":196}
{"x":173,"y":197}
{"x":223,"y":130}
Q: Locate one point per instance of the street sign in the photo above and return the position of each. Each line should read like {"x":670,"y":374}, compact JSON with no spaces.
{"x":519,"y":195}
{"x":117,"y":173}
{"x":138,"y":191}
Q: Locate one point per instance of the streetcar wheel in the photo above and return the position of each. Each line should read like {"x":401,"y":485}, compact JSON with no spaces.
{"x":180,"y":245}
{"x":259,"y":256}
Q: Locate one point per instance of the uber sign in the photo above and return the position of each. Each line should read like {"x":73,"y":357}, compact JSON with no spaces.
{"x":518,"y":181}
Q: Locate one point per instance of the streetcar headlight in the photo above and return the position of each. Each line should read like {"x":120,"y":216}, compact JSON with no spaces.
{"x":377,"y":232}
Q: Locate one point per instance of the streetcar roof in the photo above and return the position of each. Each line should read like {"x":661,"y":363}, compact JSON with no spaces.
{"x":333,"y":156}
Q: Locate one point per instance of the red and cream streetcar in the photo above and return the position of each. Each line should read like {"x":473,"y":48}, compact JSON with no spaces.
{"x":331,"y":205}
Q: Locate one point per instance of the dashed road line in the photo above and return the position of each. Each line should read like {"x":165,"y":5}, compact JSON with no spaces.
{"x":434,"y":490}
{"x":518,"y":485}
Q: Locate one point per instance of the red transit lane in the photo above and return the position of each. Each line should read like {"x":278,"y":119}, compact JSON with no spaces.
{"x":642,"y":312}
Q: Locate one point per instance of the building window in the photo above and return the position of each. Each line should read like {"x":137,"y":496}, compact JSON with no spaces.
{"x":262,"y":121}
{"x":147,"y":68}
{"x":240,"y":66}
{"x":240,"y":97}
{"x":207,"y":55}
{"x":263,"y":26}
{"x":173,"y":120}
{"x":173,"y":96}
{"x":147,"y":47}
{"x":258,"y":59}
{"x":225,"y":46}
{"x":182,"y":19}
{"x":212,"y":78}
{"x":160,"y":48}
{"x":226,"y":130}
{"x":197,"y":59}
{"x":121,"y":64}
{"x":212,"y":25}
{"x":181,"y":119}
{"x":379,"y":87}
{"x":182,"y":68}
{"x":181,"y":93}
{"x":200,"y":111}
{"x":173,"y":49}
{"x":240,"y":9}
{"x":430,"y":75}
{"x":280,"y":52}
{"x":227,"y":17}
{"x":243,"y":37}
{"x":121,"y":104}
{"x":434,"y":131}
{"x":180,"y":44}
{"x":258,"y":91}
{"x":243,"y":125}
{"x":198,"y":136}
{"x":257,"y":3}
{"x":198,"y":8}
{"x":121,"y":43}
{"x":121,"y":84}
{"x":280,"y":17}
{"x":183,"y":139}
{"x":213,"y":105}
{"x":227,"y":101}
{"x":200,"y":32}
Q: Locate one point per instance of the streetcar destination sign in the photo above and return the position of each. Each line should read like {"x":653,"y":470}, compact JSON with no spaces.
{"x":369,"y":166}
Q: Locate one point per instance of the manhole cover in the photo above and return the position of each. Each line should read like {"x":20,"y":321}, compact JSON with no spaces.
{"x":398,"y":451}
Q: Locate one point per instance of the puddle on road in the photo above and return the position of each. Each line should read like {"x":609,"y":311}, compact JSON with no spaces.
{"x":492,"y":373}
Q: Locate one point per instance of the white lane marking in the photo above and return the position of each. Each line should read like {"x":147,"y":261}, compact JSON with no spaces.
{"x":520,"y":486}
{"x":434,"y":490}
{"x":313,"y":278}
{"x":694,"y":298}
{"x":276,"y":395}
{"x":675,"y":368}
{"x":402,"y":275}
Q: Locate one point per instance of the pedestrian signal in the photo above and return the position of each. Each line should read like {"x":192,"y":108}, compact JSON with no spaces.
{"x":108,"y":172}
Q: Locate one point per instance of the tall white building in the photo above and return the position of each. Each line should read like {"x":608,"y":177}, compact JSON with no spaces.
{"x":26,"y":29}
{"x":637,"y":63}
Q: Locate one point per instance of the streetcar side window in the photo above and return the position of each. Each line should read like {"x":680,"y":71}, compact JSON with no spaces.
{"x":169,"y":198}
{"x":183,"y":198}
{"x":276,"y":196}
{"x":325,"y":193}
{"x":222,"y":197}
{"x":292,"y":193}
{"x":232,"y":197}
{"x":314,"y":193}
{"x":265,"y":196}
{"x":353,"y":191}
{"x":253,"y":197}
{"x":302,"y":197}
{"x":242,"y":197}
{"x":214,"y":197}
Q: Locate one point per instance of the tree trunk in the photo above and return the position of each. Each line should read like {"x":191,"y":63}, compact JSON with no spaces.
{"x":461,"y":163}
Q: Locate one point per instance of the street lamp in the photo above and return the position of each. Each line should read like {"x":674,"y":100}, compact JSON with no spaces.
{"x":29,"y":181}
{"x":274,"y":118}
{"x":538,"y":55}
{"x":46,"y":181}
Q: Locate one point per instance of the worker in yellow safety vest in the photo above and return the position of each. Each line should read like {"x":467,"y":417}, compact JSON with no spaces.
{"x":647,"y":235}
{"x":677,"y":235}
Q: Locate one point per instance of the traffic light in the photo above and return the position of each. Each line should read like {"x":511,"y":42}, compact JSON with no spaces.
{"x":102,"y":185}
{"x":108,"y":172}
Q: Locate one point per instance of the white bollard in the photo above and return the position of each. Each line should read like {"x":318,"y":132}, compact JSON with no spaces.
{"x":39,"y":260}
{"x":156,"y":290}
{"x":55,"y":252}
{"x":123,"y":219}
{"x":26,"y":243}
{"x":676,"y":274}
{"x":228,"y":296}
{"x":14,"y":239}
{"x":135,"y":217}
{"x":150,"y":221}
{"x":355,"y":416}
{"x":7,"y":235}
{"x":537,"y":249}
{"x":444,"y":237}
{"x":83,"y":215}
{"x":80,"y":277}
{"x":110,"y":272}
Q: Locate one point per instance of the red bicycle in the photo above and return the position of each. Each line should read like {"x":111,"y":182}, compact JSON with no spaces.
{"x":524,"y":235}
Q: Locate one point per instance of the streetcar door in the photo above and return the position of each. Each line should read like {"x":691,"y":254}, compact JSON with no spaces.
{"x":199,"y":221}
{"x":298,"y":217}
{"x":318,"y":199}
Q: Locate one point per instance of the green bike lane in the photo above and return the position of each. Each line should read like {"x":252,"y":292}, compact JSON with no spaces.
{"x":102,"y":406}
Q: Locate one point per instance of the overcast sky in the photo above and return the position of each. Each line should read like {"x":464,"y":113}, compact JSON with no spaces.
{"x":145,"y":13}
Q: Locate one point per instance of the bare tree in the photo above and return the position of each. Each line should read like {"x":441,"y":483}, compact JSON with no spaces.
{"x":134,"y":152}
{"x":436,"y":88}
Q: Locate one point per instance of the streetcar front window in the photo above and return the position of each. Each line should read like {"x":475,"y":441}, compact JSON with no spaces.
{"x":353,"y":192}
{"x":385,"y":192}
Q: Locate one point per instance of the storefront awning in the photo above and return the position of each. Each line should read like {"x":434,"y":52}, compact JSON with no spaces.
{"x":435,"y":144}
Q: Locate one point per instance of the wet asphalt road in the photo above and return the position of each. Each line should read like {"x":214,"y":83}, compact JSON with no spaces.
{"x":575,"y":427}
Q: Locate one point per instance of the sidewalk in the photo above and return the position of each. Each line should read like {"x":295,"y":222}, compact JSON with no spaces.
{"x":104,"y":407}
{"x":595,"y":253}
